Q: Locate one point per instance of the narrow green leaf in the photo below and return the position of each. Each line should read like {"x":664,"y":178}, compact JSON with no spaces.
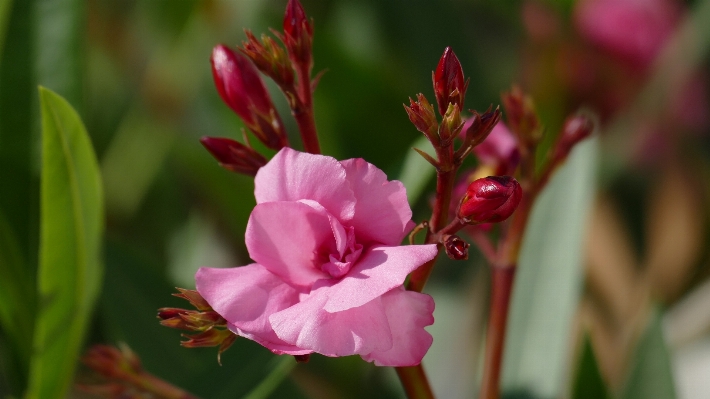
{"x":588,"y":382}
{"x":416,"y":171}
{"x":651,"y":374}
{"x":283,"y":366}
{"x":71,"y":229}
{"x":548,"y":280}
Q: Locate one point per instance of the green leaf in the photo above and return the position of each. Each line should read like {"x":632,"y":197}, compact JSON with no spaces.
{"x":548,"y":281}
{"x":282,"y":368}
{"x":71,"y":228}
{"x":588,"y":382}
{"x":651,"y":374}
{"x":416,"y":171}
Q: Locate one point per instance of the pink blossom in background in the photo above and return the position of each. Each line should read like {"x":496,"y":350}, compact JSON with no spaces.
{"x":499,"y":150}
{"x":329,"y":269}
{"x":634,"y":30}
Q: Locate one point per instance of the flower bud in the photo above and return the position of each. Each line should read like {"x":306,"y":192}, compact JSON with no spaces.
{"x":112,"y":362}
{"x":240,"y":86}
{"x":233,"y":155}
{"x":451,"y":124}
{"x":491,"y":199}
{"x":192,"y":320}
{"x":298,"y":34}
{"x":522,"y":116}
{"x":456,"y":248}
{"x":449,"y":84}
{"x":194,"y":298}
{"x":270,"y":58}
{"x":422,"y":115}
{"x":575,"y":129}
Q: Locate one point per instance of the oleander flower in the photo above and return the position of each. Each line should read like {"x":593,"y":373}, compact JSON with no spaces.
{"x":329,"y":269}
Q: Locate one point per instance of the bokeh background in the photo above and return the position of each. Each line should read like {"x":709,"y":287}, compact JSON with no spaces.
{"x":633,"y":296}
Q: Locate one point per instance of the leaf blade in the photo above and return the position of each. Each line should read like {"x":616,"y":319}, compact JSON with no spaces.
{"x":71,"y":229}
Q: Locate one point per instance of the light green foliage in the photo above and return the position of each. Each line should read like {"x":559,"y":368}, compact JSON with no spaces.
{"x":71,"y":226}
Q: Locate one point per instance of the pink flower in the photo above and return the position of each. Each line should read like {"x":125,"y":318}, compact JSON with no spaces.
{"x":329,"y":270}
{"x":634,"y":30}
{"x":499,"y":150}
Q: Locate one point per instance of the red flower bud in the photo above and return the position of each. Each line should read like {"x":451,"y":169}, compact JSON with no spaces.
{"x":270,"y":58}
{"x":575,"y":129}
{"x":233,"y":155}
{"x":456,"y":248}
{"x":298,"y":34}
{"x":240,"y":86}
{"x":421,"y":113}
{"x":522,"y":116}
{"x":112,"y":362}
{"x":449,"y":84}
{"x":491,"y":199}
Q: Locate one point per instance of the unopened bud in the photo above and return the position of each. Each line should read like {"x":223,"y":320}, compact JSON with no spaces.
{"x":192,"y":320}
{"x":194,"y":298}
{"x":491,"y":199}
{"x":269,"y":57}
{"x":112,"y":362}
{"x":233,"y":155}
{"x":499,"y":151}
{"x":449,"y":84}
{"x":456,"y":248}
{"x":422,"y":115}
{"x":451,"y":124}
{"x":298,"y":34}
{"x":240,"y":86}
{"x":522,"y":116}
{"x":575,"y":129}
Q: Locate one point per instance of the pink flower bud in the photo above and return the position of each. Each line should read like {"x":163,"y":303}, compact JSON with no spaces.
{"x":233,"y":155}
{"x":449,"y":84}
{"x":575,"y":129}
{"x":298,"y":34}
{"x":491,"y":199}
{"x":456,"y":248}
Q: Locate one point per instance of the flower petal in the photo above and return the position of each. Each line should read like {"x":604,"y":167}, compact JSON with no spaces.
{"x":246,"y":296}
{"x":359,"y":330}
{"x":291,"y":240}
{"x":292,"y":175}
{"x":408,"y":313}
{"x":382,"y":213}
{"x":377,"y":271}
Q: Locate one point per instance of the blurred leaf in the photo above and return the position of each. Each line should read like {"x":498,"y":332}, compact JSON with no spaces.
{"x":59,"y":36}
{"x":283,"y":366}
{"x":70,"y":270}
{"x":588,"y":382}
{"x":5,"y":12}
{"x":416,"y":171}
{"x":651,"y":374}
{"x":549,"y":278}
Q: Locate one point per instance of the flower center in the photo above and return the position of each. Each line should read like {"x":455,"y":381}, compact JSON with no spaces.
{"x":348,"y":252}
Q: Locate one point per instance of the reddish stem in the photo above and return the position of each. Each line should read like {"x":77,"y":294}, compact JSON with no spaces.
{"x":501,"y":288}
{"x":303,"y":111}
{"x":415,"y":382}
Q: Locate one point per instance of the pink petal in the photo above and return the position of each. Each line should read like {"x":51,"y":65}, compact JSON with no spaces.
{"x":408,"y":313}
{"x":291,"y":240}
{"x":355,"y":331}
{"x":377,"y":271}
{"x":246,"y":296}
{"x":293,"y":176}
{"x":382,"y":213}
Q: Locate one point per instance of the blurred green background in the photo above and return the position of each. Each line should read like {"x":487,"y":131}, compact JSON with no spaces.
{"x":138,"y":73}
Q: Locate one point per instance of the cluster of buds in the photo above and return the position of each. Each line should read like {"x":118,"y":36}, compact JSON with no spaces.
{"x":236,"y":76}
{"x":450,"y":90}
{"x":125,"y":376}
{"x":209,"y":327}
